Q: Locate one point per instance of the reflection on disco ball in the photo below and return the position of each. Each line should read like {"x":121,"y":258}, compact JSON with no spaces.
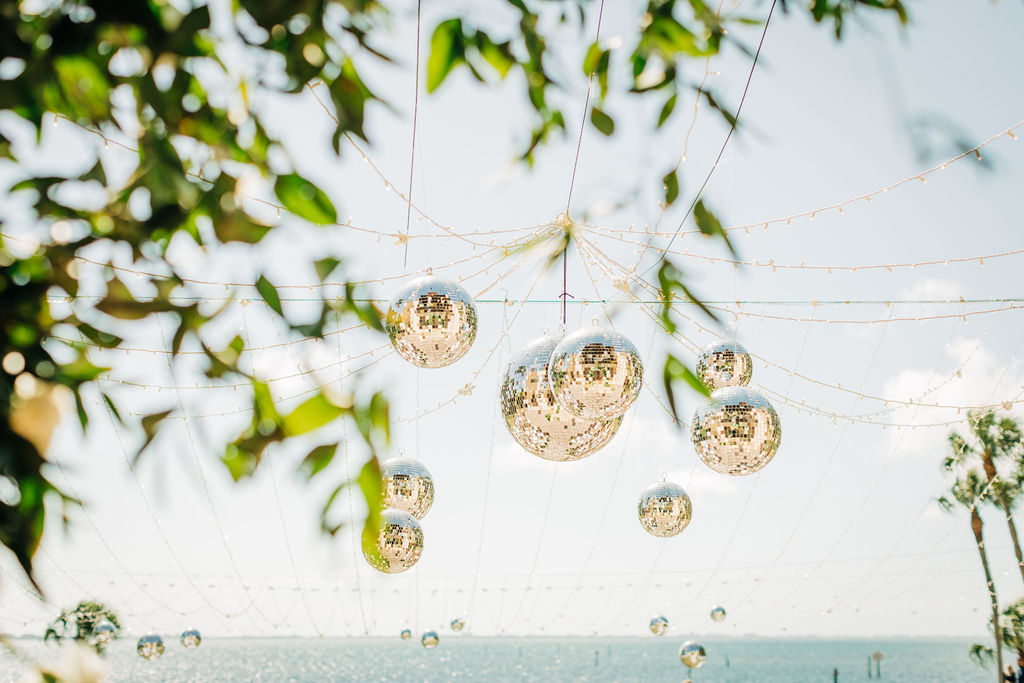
{"x":398,"y":544}
{"x":724,"y":364}
{"x":718,"y":613}
{"x":429,"y":640}
{"x":664,"y":509}
{"x":457,"y":624}
{"x":431,"y":322}
{"x":736,"y":431}
{"x":535,"y":420}
{"x":596,"y":373}
{"x":104,"y":632}
{"x":692,"y":655}
{"x":406,"y":485}
{"x":191,"y":639}
{"x":150,"y":646}
{"x":406,"y":634}
{"x":659,"y":625}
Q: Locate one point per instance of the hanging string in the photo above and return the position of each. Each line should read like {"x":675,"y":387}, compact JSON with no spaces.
{"x":412,"y":150}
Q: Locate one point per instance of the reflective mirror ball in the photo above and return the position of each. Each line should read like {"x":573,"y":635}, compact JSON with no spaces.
{"x":398,"y":544}
{"x":406,"y":485}
{"x":664,"y":509}
{"x":431,"y":322}
{"x":736,"y":431}
{"x":724,"y":364}
{"x":596,"y":373}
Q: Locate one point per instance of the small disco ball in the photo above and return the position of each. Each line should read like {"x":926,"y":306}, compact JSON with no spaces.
{"x":659,"y":625}
{"x":151,"y":646}
{"x":724,"y":364}
{"x":533,"y":417}
{"x":398,"y":544}
{"x":718,"y":613}
{"x":596,"y":373}
{"x":191,"y":639}
{"x":457,"y":624}
{"x":104,"y":632}
{"x":692,"y":655}
{"x":406,"y":634}
{"x":431,"y":322}
{"x":736,"y":431}
{"x":407,"y":485}
{"x":664,"y":509}
{"x":429,"y":640}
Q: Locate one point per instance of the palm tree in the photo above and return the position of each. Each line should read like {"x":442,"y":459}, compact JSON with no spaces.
{"x":969,"y":490}
{"x":998,"y":441}
{"x":1011,"y":633}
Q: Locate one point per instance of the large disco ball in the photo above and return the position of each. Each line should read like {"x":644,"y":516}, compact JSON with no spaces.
{"x":692,"y":655}
{"x":104,"y":632}
{"x":429,"y":640}
{"x":736,"y":431}
{"x":718,"y":613}
{"x":191,"y":639}
{"x":151,"y":646}
{"x":406,"y":634}
{"x":457,"y":624}
{"x":398,"y":544}
{"x":407,"y":485}
{"x":659,"y":625}
{"x":724,"y":364}
{"x":664,"y":509}
{"x":535,"y":420}
{"x":596,"y":373}
{"x":431,"y":322}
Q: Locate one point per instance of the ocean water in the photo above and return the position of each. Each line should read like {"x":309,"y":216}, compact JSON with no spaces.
{"x":466,"y":658}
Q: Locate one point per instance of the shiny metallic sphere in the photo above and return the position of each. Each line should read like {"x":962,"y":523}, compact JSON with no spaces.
{"x":457,"y":624}
{"x":104,"y":632}
{"x":664,"y":509}
{"x":398,"y":544}
{"x":429,"y":640}
{"x":736,"y":431}
{"x":406,"y":634}
{"x":151,"y":646}
{"x":431,"y":322}
{"x":724,"y":364}
{"x":533,"y":417}
{"x":596,"y":373}
{"x":406,"y":485}
{"x":191,"y":639}
{"x":718,"y":613}
{"x":659,"y":625}
{"x":692,"y":655}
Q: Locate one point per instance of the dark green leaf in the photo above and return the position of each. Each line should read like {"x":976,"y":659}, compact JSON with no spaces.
{"x":305,"y":200}
{"x":667,"y":109}
{"x":269,"y":294}
{"x":602,"y":121}
{"x":710,"y":225}
{"x":446,"y":50}
{"x":671,"y":185}
{"x":317,"y":459}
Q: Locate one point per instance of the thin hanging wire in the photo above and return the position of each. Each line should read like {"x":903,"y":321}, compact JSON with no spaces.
{"x":412,"y":149}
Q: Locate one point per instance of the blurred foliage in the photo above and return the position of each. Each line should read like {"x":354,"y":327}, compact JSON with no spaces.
{"x":81,"y":621}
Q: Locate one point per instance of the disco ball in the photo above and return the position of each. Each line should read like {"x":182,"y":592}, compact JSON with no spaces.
{"x":457,"y":624}
{"x":431,"y":322}
{"x":692,"y":655}
{"x":724,"y":364}
{"x":718,"y":613}
{"x":659,"y":625}
{"x":191,"y":639}
{"x":596,"y":373}
{"x":736,"y":431}
{"x":407,"y":485}
{"x":536,"y":421}
{"x":406,"y":634}
{"x":151,"y":646}
{"x":429,"y":640}
{"x":104,"y":632}
{"x":664,"y":509}
{"x":398,"y":544}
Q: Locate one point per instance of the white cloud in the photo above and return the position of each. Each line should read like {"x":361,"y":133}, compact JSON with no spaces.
{"x":932,"y":289}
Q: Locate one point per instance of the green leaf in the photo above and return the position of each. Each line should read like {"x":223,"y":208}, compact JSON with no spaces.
{"x":671,"y":185}
{"x":710,"y":225}
{"x":602,"y":121}
{"x":498,"y":55}
{"x":325,"y":267}
{"x":305,"y":200}
{"x":317,"y":459}
{"x":311,"y":414}
{"x":150,"y":425}
{"x":667,"y":109}
{"x":446,"y":51}
{"x":269,"y":294}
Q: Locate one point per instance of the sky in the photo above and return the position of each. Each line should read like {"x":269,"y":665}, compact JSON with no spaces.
{"x":839,"y":536}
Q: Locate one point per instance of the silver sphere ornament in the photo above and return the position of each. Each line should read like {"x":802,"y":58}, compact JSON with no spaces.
{"x":398,"y":544}
{"x":429,"y":640}
{"x":151,"y":646}
{"x":536,"y":421}
{"x":659,"y":625}
{"x":457,"y":624}
{"x":191,"y":639}
{"x":406,"y":485}
{"x":431,"y":322}
{"x":692,"y":655}
{"x":724,"y":364}
{"x":718,"y":613}
{"x":736,"y":431}
{"x":104,"y":632}
{"x":664,"y":509}
{"x":406,"y":634}
{"x":596,"y":373}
